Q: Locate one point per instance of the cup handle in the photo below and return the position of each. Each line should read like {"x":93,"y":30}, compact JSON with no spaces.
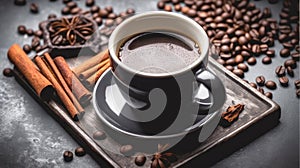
{"x":210,"y":93}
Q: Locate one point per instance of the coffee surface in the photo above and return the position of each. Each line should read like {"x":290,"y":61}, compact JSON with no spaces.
{"x":156,"y":52}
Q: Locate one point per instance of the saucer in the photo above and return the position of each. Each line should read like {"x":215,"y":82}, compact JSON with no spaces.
{"x":109,"y":105}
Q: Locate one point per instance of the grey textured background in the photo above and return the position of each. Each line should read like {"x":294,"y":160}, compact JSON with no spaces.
{"x":29,"y":137}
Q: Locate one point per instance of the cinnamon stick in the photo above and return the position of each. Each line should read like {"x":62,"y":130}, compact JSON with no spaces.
{"x":89,"y":72}
{"x":63,"y":83}
{"x":91,"y":62}
{"x":60,"y":91}
{"x":82,"y":94}
{"x":42,"y":86}
{"x":92,"y":79}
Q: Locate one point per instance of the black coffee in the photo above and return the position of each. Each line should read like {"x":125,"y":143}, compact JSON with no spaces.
{"x":157,"y":52}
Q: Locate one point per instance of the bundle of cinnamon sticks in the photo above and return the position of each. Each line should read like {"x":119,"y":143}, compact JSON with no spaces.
{"x":50,"y":74}
{"x":91,"y":70}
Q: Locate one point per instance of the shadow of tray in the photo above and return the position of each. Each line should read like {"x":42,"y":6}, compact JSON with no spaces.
{"x":260,"y":115}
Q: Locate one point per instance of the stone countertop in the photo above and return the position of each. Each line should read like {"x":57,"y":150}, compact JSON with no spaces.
{"x":29,"y":137}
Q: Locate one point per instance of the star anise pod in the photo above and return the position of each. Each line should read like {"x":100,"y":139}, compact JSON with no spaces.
{"x":162,"y":159}
{"x":74,"y":29}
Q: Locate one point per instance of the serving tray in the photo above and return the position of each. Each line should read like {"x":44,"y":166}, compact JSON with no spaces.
{"x":260,"y":115}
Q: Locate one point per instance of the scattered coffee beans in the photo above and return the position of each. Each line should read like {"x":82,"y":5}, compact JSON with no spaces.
{"x":79,"y":151}
{"x":285,"y":52}
{"x":290,"y":71}
{"x":261,"y":90}
{"x":29,"y":32}
{"x":298,"y":92}
{"x":8,"y":72}
{"x":267,"y":60}
{"x":140,"y":159}
{"x":284,"y":81}
{"x":34,"y":8}
{"x":269,"y":95}
{"x":280,"y":71}
{"x":253,"y":85}
{"x":89,"y":2}
{"x":260,"y":80}
{"x":290,"y":63}
{"x":251,"y":61}
{"x":20,"y":2}
{"x":238,"y":72}
{"x":126,"y":150}
{"x":271,"y":85}
{"x":297,"y":84}
{"x":243,"y":67}
{"x":99,"y":135}
{"x":68,"y":156}
{"x":27,"y":48}
{"x":21,"y":29}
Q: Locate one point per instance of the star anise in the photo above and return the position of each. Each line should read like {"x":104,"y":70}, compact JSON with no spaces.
{"x":74,"y":29}
{"x":163,"y":159}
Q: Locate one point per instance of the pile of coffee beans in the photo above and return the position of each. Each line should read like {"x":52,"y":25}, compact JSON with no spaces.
{"x":240,"y":32}
{"x":68,"y":155}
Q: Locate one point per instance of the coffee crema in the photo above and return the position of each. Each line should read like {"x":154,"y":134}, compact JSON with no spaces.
{"x":158,"y":52}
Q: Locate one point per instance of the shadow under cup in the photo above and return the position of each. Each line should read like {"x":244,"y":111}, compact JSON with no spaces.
{"x":161,"y":103}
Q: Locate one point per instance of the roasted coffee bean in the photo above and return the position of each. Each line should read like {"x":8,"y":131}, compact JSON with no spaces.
{"x":52,"y":16}
{"x":177,"y":7}
{"x":290,"y":63}
{"x":243,"y":67}
{"x":284,"y":52}
{"x":264,"y":48}
{"x":297,"y":84}
{"x":267,"y":60}
{"x":225,"y":49}
{"x":192,"y":13}
{"x":280,"y":71}
{"x":110,"y":9}
{"x":225,"y":56}
{"x":112,"y":16}
{"x":95,"y":9}
{"x":269,"y":95}
{"x":40,"y":48}
{"x":34,"y":8}
{"x":245,"y":54}
{"x":75,"y":10}
{"x":26,"y":48}
{"x":21,"y":29}
{"x":99,"y":135}
{"x":239,"y":59}
{"x":118,"y":20}
{"x":290,"y":71}
{"x":260,"y":80}
{"x":221,"y":61}
{"x":71,"y":4}
{"x":284,"y":81}
{"x":253,"y":85}
{"x":38,"y":33}
{"x":256,"y":49}
{"x":270,"y":53}
{"x":35,"y":42}
{"x":8,"y":72}
{"x":296,"y":56}
{"x":20,"y":2}
{"x":98,"y":20}
{"x":140,"y":159}
{"x":261,"y":90}
{"x":29,"y":32}
{"x":89,"y":2}
{"x":66,"y":1}
{"x":251,"y":61}
{"x":109,"y":22}
{"x":229,"y":67}
{"x":238,"y":72}
{"x":270,"y":84}
{"x":80,"y":151}
{"x":283,"y":38}
{"x":230,"y":61}
{"x":68,"y":156}
{"x":298,"y":92}
{"x":126,"y":150}
{"x":288,"y":45}
{"x":103,"y":13}
{"x":65,"y":10}
{"x":243,"y":40}
{"x":57,"y":40}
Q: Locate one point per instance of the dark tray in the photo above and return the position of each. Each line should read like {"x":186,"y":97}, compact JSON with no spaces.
{"x":260,"y":115}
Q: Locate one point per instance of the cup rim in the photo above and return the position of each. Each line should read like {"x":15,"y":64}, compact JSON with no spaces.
{"x":113,"y":54}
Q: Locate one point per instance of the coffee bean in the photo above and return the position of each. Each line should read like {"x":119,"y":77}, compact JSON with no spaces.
{"x":230,"y":61}
{"x":284,"y":52}
{"x":270,"y":84}
{"x":126,"y":150}
{"x":95,"y":9}
{"x":290,"y":63}
{"x":29,"y":32}
{"x":284,"y":81}
{"x":294,"y":41}
{"x":243,"y":67}
{"x":267,"y":60}
{"x":270,"y":53}
{"x":288,"y":45}
{"x":79,"y":151}
{"x":71,"y":4}
{"x":51,"y":16}
{"x":229,"y":67}
{"x":168,"y":8}
{"x":66,"y":1}
{"x":261,"y":90}
{"x":225,"y":49}
{"x":290,"y":71}
{"x":160,"y":5}
{"x":264,"y":48}
{"x":110,"y":9}
{"x":27,"y":48}
{"x":221,"y":61}
{"x":297,"y":84}
{"x":238,"y":72}
{"x":243,"y":40}
{"x":280,"y":71}
{"x":34,"y":8}
{"x":251,"y":61}
{"x":68,"y":156}
{"x":298,"y":93}
{"x":269,"y":95}
{"x":296,"y":56}
{"x":109,"y":22}
{"x":192,"y":13}
{"x":20,"y":2}
{"x":65,"y":11}
{"x":225,"y":56}
{"x":8,"y":72}
{"x":40,"y":48}
{"x":38,"y":33}
{"x":260,"y":80}
{"x":256,"y":49}
{"x":21,"y":29}
{"x":98,"y":20}
{"x":283,"y":38}
{"x":35,"y":42}
{"x":245,"y":54}
{"x":253,"y":85}
{"x":75,"y":10}
{"x":140,"y":159}
{"x":177,"y":7}
{"x":99,"y":135}
{"x":239,"y":59}
{"x":89,"y":2}
{"x":103,"y":13}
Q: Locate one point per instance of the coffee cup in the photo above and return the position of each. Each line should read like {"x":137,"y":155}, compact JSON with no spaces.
{"x":168,"y":101}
